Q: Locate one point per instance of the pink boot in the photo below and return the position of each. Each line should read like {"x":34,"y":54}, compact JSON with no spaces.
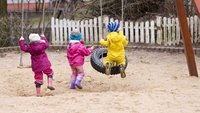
{"x":38,"y":85}
{"x":49,"y":80}
{"x":38,"y":92}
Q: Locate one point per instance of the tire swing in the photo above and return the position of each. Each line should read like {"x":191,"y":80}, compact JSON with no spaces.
{"x":97,"y":64}
{"x":99,"y":53}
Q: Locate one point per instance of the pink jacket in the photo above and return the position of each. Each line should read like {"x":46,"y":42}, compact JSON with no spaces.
{"x":76,"y":52}
{"x":39,"y":59}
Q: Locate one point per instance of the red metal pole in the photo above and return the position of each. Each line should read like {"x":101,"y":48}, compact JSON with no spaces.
{"x":186,"y":38}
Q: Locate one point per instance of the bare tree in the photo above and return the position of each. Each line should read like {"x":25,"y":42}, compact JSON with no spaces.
{"x":41,"y":17}
{"x":39,"y":5}
{"x":133,"y":9}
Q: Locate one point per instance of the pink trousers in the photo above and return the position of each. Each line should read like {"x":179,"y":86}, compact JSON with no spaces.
{"x":39,"y":75}
{"x":77,"y":71}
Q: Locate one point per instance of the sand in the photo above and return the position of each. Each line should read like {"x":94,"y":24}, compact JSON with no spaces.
{"x":155,"y":83}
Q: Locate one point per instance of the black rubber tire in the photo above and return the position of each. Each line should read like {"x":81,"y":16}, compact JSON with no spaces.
{"x":97,"y":64}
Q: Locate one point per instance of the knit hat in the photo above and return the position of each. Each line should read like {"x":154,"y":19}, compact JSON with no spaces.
{"x":33,"y":37}
{"x":75,"y":35}
{"x":113,"y":26}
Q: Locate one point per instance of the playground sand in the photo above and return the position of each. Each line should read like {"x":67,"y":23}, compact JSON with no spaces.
{"x":155,"y":83}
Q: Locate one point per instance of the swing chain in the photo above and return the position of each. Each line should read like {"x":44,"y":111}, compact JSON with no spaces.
{"x":43,"y":14}
{"x":22,"y":30}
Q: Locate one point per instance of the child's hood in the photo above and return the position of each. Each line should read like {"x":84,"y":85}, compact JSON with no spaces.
{"x":73,"y":47}
{"x":37,"y":47}
{"x":114,"y":37}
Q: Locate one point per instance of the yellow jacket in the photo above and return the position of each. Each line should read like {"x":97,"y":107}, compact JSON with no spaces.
{"x":115,"y":43}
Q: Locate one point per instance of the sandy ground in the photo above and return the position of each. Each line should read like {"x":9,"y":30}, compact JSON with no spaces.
{"x":155,"y":83}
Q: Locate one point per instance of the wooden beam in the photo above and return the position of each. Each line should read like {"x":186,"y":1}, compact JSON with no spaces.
{"x":197,"y":6}
{"x":186,"y":38}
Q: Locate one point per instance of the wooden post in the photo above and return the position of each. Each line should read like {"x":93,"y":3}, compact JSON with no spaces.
{"x":186,"y":38}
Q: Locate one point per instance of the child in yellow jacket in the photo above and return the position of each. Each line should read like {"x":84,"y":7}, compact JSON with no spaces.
{"x":116,"y":53}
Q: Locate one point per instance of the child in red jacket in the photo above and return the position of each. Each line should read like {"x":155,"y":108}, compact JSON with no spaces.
{"x":39,"y":61}
{"x":76,"y":51}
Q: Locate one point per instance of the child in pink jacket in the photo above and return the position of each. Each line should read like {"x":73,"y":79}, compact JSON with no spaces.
{"x":39,"y":61}
{"x":76,"y":51}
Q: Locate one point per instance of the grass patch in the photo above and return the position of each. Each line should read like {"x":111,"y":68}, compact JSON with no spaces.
{"x":37,"y":19}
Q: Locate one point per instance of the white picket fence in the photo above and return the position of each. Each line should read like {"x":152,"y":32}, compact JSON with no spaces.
{"x":162,"y":31}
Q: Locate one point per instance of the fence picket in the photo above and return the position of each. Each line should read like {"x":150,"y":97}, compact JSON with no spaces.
{"x":178,"y":32}
{"x":147,"y":40}
{"x":159,"y":30}
{"x":136,"y":32}
{"x":152,"y":29}
{"x":165,"y":30}
{"x":127,"y":30}
{"x":82,"y":30}
{"x":69,"y":27}
{"x":95,"y":31}
{"x":173,"y":34}
{"x":73,"y":25}
{"x":100,"y":22}
{"x":65,"y":31}
{"x":57,"y":33}
{"x":53,"y":30}
{"x":91,"y":31}
{"x":121,"y":25}
{"x":86,"y":32}
{"x":61,"y":32}
{"x":131,"y":32}
{"x":142,"y":32}
{"x":169,"y":36}
{"x":78,"y":25}
{"x":105,"y":23}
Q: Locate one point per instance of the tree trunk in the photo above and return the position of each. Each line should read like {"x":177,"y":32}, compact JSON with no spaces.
{"x":3,"y":8}
{"x":41,"y":19}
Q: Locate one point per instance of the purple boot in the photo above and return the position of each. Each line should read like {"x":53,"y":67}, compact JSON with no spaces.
{"x":78,"y":82}
{"x":72,"y":84}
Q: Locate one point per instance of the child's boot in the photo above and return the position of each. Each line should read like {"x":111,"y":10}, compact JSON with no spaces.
{"x":38,"y":85}
{"x":38,"y":93}
{"x":108,"y":68}
{"x":50,"y":80}
{"x":122,"y":71}
{"x":72,"y":84}
{"x":78,"y":81}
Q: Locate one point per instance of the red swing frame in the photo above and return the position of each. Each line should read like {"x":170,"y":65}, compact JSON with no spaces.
{"x":186,"y":35}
